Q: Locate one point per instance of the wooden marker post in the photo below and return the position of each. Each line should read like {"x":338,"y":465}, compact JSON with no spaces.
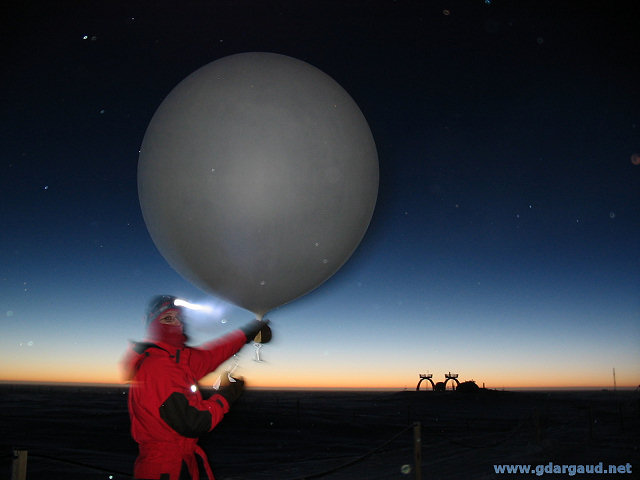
{"x":19,"y":465}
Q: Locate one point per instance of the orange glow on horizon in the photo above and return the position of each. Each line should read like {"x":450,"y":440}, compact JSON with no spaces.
{"x":301,"y":377}
{"x":302,"y":384}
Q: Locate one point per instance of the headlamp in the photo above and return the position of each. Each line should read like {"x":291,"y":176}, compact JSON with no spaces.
{"x":178,"y":302}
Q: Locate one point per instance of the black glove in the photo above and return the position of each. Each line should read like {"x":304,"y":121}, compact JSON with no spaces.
{"x":232,"y":391}
{"x":258,"y":331}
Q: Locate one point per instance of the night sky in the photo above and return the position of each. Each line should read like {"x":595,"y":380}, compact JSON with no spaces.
{"x":505,"y":241}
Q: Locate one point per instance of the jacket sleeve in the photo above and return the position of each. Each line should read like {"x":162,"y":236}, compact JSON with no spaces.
{"x":206,"y":358}
{"x":192,"y":417}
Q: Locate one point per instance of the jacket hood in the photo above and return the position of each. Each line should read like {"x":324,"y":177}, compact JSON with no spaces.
{"x":138,"y":351}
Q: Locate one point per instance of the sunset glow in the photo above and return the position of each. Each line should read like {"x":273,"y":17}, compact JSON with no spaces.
{"x":504,"y":241}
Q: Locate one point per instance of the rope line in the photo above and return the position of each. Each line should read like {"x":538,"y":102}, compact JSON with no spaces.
{"x":79,"y":464}
{"x":460,"y":443}
{"x":313,"y":475}
{"x":355,"y":460}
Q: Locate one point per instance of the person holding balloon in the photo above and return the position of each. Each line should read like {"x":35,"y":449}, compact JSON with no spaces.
{"x":168,"y":413}
{"x":257,"y":179}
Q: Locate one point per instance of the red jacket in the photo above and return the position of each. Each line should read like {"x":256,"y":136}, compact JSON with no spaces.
{"x":167,"y":410}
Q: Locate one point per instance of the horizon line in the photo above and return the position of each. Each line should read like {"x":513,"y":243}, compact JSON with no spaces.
{"x":326,"y":388}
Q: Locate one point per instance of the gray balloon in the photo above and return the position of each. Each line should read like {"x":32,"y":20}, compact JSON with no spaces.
{"x":257,"y":178}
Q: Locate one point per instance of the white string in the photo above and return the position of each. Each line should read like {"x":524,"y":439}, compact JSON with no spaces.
{"x":257,"y":346}
{"x":236,"y":362}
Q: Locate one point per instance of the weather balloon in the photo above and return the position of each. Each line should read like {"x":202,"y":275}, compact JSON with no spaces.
{"x":257,"y":178}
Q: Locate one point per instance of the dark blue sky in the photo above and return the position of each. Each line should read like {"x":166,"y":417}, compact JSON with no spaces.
{"x":505,"y":238}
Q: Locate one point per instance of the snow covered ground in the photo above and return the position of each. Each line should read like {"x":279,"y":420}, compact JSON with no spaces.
{"x":83,"y":433}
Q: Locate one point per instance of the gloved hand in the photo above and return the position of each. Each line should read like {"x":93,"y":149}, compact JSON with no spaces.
{"x":258,"y":331}
{"x":232,"y":391}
